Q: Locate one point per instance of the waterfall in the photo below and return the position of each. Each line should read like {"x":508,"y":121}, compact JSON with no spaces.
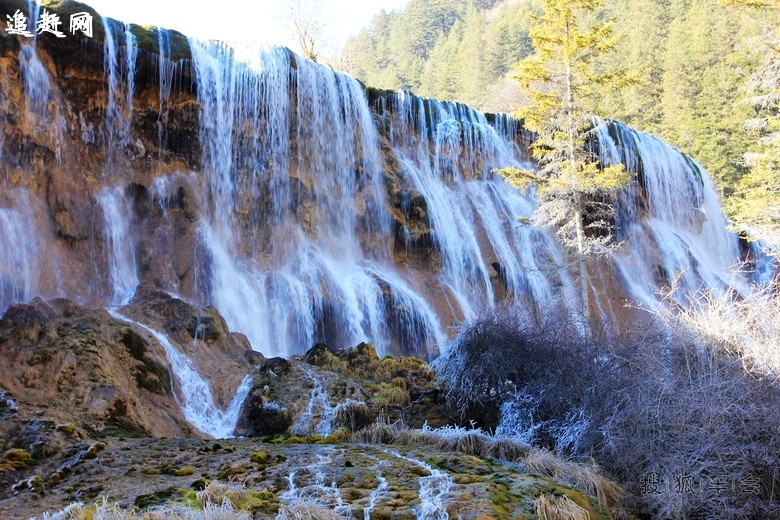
{"x":310,"y":262}
{"x":120,"y":77}
{"x":21,"y":251}
{"x":119,"y":244}
{"x":166,"y":69}
{"x":306,"y":213}
{"x":193,"y":393}
{"x":473,"y":213}
{"x":434,"y":489}
{"x":671,"y":219}
{"x":319,"y":409}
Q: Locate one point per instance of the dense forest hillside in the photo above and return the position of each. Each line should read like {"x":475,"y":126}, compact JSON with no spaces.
{"x":706,"y":74}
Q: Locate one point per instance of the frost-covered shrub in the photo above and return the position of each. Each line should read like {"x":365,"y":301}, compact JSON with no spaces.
{"x":505,"y":354}
{"x":681,"y":408}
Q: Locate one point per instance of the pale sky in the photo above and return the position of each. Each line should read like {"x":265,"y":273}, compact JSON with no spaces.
{"x":237,"y":20}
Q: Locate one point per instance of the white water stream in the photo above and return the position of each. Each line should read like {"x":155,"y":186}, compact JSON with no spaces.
{"x":193,"y":393}
{"x":434,"y":489}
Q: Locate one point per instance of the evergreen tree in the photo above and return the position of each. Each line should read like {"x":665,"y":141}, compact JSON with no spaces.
{"x":561,"y":84}
{"x":756,"y":197}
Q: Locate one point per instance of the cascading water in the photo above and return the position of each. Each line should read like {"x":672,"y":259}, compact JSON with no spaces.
{"x":305,"y":216}
{"x":310,"y":262}
{"x":120,"y":76}
{"x":122,"y":272}
{"x":473,"y":213}
{"x":671,"y":218}
{"x":319,"y":409}
{"x":316,"y":491}
{"x":380,"y":492}
{"x":21,"y":251}
{"x":434,"y":489}
{"x":193,"y":393}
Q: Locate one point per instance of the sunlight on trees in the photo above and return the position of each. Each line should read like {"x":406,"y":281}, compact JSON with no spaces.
{"x":560,"y":82}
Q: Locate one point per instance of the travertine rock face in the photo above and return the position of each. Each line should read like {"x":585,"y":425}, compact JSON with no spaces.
{"x":65,"y":363}
{"x":300,"y":204}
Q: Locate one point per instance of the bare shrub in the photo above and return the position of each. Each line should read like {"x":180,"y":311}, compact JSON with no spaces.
{"x":505,"y":351}
{"x":680,"y":408}
{"x":695,"y":426}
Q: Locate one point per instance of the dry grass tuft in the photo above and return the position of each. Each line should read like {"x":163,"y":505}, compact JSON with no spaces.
{"x":106,"y":511}
{"x":307,"y":510}
{"x":562,"y":508}
{"x":219,"y":492}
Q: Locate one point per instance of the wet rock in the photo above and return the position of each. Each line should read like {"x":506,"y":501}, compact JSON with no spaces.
{"x":277,"y":365}
{"x":255,"y":358}
{"x":260,"y":419}
{"x":319,"y":354}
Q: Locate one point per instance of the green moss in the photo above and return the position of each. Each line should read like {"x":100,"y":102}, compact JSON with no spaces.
{"x":189,"y":499}
{"x":259,"y":457}
{"x":256,"y":502}
{"x":157,"y":498}
{"x":200,"y":484}
{"x":14,"y":459}
{"x":183,"y":472}
{"x":419,"y":471}
{"x":290,"y":439}
{"x":68,"y":428}
{"x":338,"y":436}
{"x":93,"y":450}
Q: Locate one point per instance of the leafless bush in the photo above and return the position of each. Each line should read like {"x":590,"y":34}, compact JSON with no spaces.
{"x":504,"y":352}
{"x":695,"y":428}
{"x":681,"y":408}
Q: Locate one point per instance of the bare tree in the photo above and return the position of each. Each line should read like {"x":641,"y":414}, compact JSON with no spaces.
{"x":307,"y":22}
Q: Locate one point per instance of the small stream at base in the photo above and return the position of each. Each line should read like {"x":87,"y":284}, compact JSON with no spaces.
{"x":195,"y":396}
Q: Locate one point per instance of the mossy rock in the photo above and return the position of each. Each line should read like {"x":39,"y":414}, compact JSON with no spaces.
{"x":14,"y":459}
{"x":158,"y":498}
{"x":391,"y":396}
{"x":259,"y":457}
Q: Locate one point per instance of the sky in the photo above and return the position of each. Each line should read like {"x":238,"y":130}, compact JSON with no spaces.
{"x":237,"y":20}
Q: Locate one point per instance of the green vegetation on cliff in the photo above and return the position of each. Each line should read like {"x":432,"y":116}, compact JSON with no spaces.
{"x":707,"y":75}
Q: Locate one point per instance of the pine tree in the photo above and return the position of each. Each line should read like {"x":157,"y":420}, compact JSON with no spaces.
{"x":561,"y":83}
{"x":756,"y":198}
